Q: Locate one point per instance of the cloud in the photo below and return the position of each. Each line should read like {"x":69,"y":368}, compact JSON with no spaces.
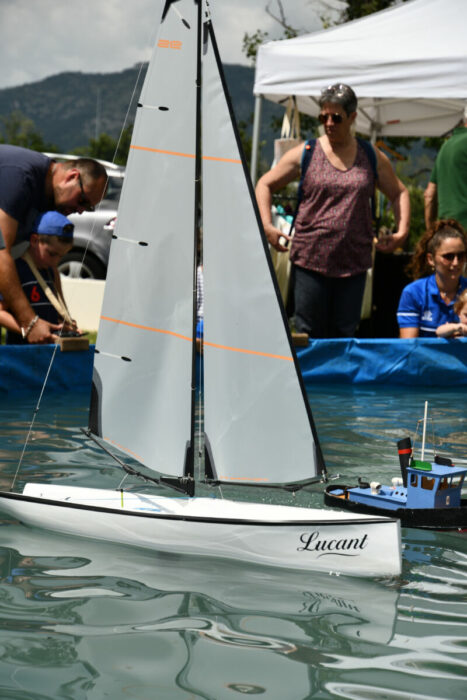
{"x":45,"y":37}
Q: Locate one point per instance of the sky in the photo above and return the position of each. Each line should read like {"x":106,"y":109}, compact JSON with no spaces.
{"x":39,"y":38}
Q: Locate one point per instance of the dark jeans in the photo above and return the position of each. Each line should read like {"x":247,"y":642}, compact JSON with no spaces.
{"x":327,"y":307}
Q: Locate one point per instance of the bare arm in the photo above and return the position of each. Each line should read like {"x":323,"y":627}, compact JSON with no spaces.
{"x":431,"y":204}
{"x":286,"y":170}
{"x":398,"y":195}
{"x":7,"y":320}
{"x":10,"y":286}
{"x":450,"y":330}
{"x":408,"y":333}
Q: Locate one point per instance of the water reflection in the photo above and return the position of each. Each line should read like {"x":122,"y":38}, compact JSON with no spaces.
{"x":110,"y":621}
{"x":251,"y":627}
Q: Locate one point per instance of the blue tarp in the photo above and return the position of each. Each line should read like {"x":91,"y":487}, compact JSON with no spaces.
{"x":419,"y":362}
{"x":416,"y":362}
{"x":23,"y":369}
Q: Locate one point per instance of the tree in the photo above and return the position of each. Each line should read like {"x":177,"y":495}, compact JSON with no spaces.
{"x":361,"y":8}
{"x":18,"y":130}
{"x":105,"y":147}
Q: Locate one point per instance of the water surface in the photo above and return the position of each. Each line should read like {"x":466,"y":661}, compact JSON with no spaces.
{"x":88,"y":620}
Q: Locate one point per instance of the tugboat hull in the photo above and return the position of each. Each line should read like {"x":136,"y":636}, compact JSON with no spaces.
{"x":337,"y":496}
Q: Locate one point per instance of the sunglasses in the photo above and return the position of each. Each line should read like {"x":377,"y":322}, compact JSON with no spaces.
{"x":84,"y":201}
{"x":336,"y":118}
{"x":449,"y":257}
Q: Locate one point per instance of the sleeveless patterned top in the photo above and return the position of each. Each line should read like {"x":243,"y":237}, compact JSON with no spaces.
{"x":333,"y":229}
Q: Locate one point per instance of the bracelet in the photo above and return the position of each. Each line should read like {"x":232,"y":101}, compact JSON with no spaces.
{"x":25,"y":331}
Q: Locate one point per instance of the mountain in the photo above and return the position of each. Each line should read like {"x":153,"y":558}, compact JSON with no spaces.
{"x":68,"y":109}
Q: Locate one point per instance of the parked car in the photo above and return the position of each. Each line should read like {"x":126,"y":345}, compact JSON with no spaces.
{"x":92,"y":237}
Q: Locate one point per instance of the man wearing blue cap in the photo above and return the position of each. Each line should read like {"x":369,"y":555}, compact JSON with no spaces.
{"x":51,"y":238}
{"x":31,"y":183}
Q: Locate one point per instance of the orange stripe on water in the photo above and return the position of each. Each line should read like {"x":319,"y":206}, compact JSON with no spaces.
{"x":184,"y":337}
{"x":184,"y":155}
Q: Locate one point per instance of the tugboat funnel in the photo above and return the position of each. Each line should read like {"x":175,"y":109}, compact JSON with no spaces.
{"x":404,"y":448}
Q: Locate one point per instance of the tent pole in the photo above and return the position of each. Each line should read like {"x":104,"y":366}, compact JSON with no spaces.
{"x":255,"y":138}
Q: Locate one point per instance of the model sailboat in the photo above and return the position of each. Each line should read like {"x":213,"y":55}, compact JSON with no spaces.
{"x":185,"y":178}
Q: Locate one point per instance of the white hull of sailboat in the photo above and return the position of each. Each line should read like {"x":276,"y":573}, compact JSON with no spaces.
{"x":280,"y":536}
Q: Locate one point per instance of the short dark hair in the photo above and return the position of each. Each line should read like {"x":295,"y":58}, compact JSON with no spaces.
{"x":340,"y":94}
{"x":88,"y":167}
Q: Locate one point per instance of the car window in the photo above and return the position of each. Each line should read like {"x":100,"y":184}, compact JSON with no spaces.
{"x":114,"y":188}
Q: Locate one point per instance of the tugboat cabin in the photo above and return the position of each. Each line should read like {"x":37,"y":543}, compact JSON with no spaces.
{"x":435,"y":484}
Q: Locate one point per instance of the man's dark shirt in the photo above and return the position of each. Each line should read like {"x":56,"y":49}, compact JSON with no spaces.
{"x":22,"y":187}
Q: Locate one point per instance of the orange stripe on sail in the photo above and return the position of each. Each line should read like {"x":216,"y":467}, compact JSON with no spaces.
{"x":249,"y":352}
{"x":185,"y":155}
{"x":223,"y":160}
{"x":185,"y":337}
{"x":146,"y":328}
{"x":160,"y":150}
{"x":124,"y":449}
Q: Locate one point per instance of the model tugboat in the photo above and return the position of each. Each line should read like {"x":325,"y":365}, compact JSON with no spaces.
{"x":427,"y":495}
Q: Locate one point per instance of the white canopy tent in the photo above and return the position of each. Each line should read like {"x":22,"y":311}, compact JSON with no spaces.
{"x":407,"y":65}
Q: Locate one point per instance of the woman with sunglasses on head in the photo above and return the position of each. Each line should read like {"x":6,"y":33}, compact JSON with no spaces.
{"x":430,"y":301}
{"x":332,"y":246}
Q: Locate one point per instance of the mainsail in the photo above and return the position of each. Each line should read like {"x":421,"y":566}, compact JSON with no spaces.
{"x":257,"y":421}
{"x":256,"y":415}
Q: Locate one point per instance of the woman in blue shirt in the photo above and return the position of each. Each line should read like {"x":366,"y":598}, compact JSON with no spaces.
{"x":429,"y":301}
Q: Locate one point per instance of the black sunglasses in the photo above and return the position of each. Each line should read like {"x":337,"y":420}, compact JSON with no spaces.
{"x":450,"y":256}
{"x":84,"y":201}
{"x":336,"y":118}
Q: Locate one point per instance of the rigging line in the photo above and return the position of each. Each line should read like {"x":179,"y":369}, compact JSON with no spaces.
{"x":120,"y":462}
{"x":125,"y":120}
{"x":36,"y":411}
{"x":151,"y":40}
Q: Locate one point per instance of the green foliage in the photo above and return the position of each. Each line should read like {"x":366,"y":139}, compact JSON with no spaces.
{"x":417,"y":215}
{"x":18,"y":130}
{"x":251,"y":44}
{"x":361,"y":8}
{"x":107,"y":148}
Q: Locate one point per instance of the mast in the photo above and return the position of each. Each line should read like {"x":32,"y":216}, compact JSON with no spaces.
{"x":190,"y":455}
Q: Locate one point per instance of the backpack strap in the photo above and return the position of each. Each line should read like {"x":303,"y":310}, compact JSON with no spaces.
{"x":307,"y":154}
{"x":371,"y":155}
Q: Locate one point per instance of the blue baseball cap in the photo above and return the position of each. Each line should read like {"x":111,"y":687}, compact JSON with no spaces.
{"x":52,"y":223}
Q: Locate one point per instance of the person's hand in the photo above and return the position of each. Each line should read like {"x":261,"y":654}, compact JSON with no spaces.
{"x":276,"y":238}
{"x":461,"y":331}
{"x":42,"y":332}
{"x":70,"y":327}
{"x":388,"y":243}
